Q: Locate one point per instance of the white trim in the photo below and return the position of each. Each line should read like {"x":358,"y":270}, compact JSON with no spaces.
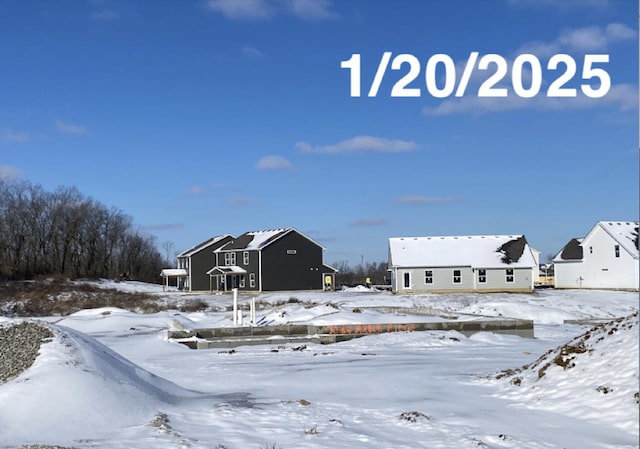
{"x":260,"y":270}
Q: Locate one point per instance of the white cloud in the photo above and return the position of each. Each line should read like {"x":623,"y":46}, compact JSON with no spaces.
{"x":369,"y":222}
{"x":582,"y":40}
{"x":589,"y":38}
{"x":421,"y":199}
{"x":311,"y":9}
{"x":195,"y":190}
{"x":70,"y":128}
{"x":242,"y":9}
{"x":621,"y":96}
{"x":9,"y":173}
{"x":163,"y":227}
{"x":267,"y":9}
{"x":10,"y":136}
{"x":241,"y":201}
{"x":360,"y":144}
{"x":619,"y":32}
{"x":593,"y":38}
{"x":252,"y":52}
{"x":273,"y":163}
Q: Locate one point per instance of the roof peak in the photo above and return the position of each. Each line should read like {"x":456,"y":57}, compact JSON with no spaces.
{"x":457,"y":237}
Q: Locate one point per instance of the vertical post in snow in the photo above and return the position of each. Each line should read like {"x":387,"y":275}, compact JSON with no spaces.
{"x":240,"y":317}
{"x":253,"y":311}
{"x":235,"y":306}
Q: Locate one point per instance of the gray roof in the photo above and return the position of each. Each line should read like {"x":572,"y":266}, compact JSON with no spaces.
{"x":257,"y":240}
{"x":207,"y":243}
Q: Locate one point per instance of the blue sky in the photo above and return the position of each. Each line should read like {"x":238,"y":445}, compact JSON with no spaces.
{"x":200,"y":118}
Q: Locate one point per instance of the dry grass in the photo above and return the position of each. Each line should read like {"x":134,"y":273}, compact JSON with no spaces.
{"x":59,"y":297}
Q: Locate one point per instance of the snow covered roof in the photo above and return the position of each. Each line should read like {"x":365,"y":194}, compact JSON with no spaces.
{"x":478,"y":251}
{"x":199,"y":247}
{"x":172,"y":272}
{"x":227,"y":269}
{"x":257,"y":240}
{"x":625,"y":233}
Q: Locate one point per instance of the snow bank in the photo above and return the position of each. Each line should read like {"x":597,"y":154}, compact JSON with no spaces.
{"x":594,"y":376}
{"x":78,"y":388}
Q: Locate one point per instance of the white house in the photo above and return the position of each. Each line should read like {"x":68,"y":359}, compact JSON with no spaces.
{"x":481,"y":263}
{"x":607,"y":258}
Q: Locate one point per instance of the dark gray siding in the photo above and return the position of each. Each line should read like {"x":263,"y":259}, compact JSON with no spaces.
{"x":253,"y":267}
{"x":282,"y":270}
{"x":203,"y":261}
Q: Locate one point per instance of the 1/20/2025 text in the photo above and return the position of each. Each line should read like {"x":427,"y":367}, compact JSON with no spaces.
{"x":441,"y":77}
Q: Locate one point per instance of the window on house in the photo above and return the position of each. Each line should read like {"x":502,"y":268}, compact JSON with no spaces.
{"x":509,"y":272}
{"x":591,"y":250}
{"x":242,"y":281}
{"x":617,"y":248}
{"x":291,"y":251}
{"x":229,"y":259}
{"x":407,"y":280}
{"x":482,"y":276}
{"x":252,"y":280}
{"x":457,"y":278}
{"x":428,"y":277}
{"x":245,"y":257}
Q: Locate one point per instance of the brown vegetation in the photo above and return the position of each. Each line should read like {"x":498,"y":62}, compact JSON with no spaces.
{"x":59,"y":297}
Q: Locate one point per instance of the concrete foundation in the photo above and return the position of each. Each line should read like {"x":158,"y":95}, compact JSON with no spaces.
{"x":226,"y":337}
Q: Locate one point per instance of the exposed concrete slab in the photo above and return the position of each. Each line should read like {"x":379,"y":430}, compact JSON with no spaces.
{"x":222,"y":337}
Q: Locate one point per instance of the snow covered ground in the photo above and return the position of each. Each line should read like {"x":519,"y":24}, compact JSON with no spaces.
{"x":111,"y":379}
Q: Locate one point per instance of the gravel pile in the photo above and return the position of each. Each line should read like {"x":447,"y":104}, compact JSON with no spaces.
{"x":19,"y":347}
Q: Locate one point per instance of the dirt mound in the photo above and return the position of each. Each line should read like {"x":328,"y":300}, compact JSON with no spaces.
{"x":595,"y":375}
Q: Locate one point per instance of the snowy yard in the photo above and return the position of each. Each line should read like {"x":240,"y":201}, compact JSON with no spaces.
{"x":110,"y":379}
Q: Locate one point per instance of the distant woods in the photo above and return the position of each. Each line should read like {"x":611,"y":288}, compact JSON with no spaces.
{"x":352,"y":276}
{"x":64,"y":233}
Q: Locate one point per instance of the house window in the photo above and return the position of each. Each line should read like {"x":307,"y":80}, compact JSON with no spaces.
{"x":482,"y":276}
{"x":252,"y":280}
{"x":245,"y":257}
{"x":407,"y":280}
{"x":229,"y":259}
{"x":509,"y":272}
{"x":617,"y":248}
{"x":241,"y":281}
{"x":591,"y":250}
{"x":428,"y":277}
{"x":291,"y":251}
{"x":457,"y":278}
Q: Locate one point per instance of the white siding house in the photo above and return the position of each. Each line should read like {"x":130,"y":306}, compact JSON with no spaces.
{"x":481,"y":263}
{"x":607,"y":258}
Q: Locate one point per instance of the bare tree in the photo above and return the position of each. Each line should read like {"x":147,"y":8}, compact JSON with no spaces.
{"x":66,"y":233}
{"x":168,"y":248}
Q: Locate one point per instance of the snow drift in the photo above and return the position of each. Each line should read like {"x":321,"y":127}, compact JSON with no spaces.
{"x":596,"y":361}
{"x":78,"y":387}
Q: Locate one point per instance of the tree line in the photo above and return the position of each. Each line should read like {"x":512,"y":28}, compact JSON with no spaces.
{"x":348,"y":275}
{"x":65,"y":233}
